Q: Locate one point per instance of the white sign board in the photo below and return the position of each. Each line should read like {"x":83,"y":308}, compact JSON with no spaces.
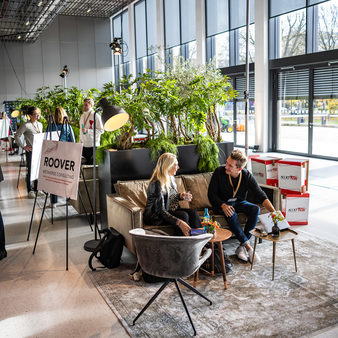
{"x":4,"y":128}
{"x":36,"y":151}
{"x":60,"y":168}
{"x":296,"y":208}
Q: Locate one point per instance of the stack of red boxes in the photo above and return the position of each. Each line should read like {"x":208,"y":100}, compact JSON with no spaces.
{"x":265,"y":170}
{"x":293,"y":180}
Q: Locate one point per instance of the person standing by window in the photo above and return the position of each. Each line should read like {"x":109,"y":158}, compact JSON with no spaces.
{"x":29,"y":129}
{"x":87,"y":130}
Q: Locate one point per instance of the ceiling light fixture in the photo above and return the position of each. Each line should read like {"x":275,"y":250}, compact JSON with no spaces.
{"x":27,"y":22}
{"x":19,"y":37}
{"x":40,"y":4}
{"x":89,"y":10}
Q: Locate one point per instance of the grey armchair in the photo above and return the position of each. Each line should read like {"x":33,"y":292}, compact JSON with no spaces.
{"x":170,"y":257}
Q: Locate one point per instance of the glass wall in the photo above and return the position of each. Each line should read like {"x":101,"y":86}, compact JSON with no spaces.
{"x":145,"y":35}
{"x":293,"y":111}
{"x":298,"y":27}
{"x":226,"y":32}
{"x":121,"y":30}
{"x":325,"y":112}
{"x":180,"y":29}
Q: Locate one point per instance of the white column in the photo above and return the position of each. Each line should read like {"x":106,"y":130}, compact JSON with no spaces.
{"x":160,"y":35}
{"x":261,"y":73}
{"x":200,"y":31}
{"x":132,"y":52}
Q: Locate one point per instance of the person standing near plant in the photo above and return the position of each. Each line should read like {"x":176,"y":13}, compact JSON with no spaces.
{"x":163,"y":197}
{"x":67,"y":135}
{"x":227,"y":193}
{"x":29,"y":129}
{"x":87,"y":131}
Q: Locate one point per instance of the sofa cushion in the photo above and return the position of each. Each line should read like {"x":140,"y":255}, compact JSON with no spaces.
{"x":136,"y":191}
{"x":198,"y":185}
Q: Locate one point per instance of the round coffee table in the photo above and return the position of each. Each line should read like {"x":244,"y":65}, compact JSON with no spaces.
{"x":284,"y":235}
{"x":219,"y":236}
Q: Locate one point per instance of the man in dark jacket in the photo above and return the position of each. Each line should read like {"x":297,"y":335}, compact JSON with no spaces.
{"x":227,"y":194}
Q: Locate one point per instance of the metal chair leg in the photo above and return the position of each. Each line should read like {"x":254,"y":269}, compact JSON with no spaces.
{"x":193,"y":289}
{"x":152,"y":299}
{"x":185,"y":306}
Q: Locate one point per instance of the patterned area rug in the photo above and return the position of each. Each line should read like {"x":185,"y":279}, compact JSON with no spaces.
{"x":293,"y":305}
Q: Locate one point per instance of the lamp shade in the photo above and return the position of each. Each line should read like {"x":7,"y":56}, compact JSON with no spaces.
{"x":15,"y":113}
{"x":113,"y":117}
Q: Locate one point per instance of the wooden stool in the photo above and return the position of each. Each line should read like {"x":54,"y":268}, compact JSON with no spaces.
{"x":219,"y":236}
{"x":284,"y":235}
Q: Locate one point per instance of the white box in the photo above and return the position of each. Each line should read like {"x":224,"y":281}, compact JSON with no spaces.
{"x":265,"y":170}
{"x":293,"y":174}
{"x":295,"y":208}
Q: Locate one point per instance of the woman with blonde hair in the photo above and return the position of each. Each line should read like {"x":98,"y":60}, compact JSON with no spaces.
{"x":163,"y":197}
{"x":67,"y":134}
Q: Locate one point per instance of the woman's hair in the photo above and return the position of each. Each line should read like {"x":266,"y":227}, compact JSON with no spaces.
{"x":164,"y":163}
{"x":31,"y":109}
{"x":59,"y":114}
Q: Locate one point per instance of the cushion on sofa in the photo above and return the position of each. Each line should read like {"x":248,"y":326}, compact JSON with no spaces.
{"x":134,"y":191}
{"x":198,"y":186}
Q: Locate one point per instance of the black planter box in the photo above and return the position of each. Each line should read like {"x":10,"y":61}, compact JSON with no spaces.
{"x":134,"y":164}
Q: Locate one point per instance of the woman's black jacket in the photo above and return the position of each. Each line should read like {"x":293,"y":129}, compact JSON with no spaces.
{"x":156,"y":211}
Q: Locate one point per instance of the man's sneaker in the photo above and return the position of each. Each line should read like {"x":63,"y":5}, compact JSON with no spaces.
{"x":256,"y":259}
{"x":241,"y":253}
{"x":31,"y":194}
{"x":41,"y":193}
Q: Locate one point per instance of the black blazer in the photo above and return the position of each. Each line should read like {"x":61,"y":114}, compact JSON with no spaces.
{"x":156,"y":211}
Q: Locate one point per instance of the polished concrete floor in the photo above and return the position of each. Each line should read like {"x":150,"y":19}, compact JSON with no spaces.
{"x":39,"y":298}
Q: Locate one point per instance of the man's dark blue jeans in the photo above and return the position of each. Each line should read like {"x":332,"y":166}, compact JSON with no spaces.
{"x":252,"y":211}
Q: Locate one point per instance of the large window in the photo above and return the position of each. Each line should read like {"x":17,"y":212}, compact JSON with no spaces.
{"x":180,"y":29}
{"x":145,"y":35}
{"x":121,"y":30}
{"x":325,"y":112}
{"x":226,"y":32}
{"x":293,"y":111}
{"x":300,"y":27}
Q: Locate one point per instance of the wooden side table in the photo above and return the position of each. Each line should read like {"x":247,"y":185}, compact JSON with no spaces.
{"x":219,"y":236}
{"x":284,"y":235}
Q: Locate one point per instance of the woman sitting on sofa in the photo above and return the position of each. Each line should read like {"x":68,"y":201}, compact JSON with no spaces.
{"x":163,"y":197}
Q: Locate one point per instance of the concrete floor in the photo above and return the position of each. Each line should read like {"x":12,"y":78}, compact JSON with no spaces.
{"x":39,"y":298}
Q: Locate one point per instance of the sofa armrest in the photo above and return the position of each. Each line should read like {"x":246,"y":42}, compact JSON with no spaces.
{"x":124,"y":216}
{"x":273,"y":194}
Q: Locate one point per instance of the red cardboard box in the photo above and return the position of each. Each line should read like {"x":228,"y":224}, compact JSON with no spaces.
{"x":293,"y":174}
{"x":295,"y":208}
{"x":265,"y":170}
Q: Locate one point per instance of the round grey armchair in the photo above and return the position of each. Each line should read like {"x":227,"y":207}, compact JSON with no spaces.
{"x":170,"y":257}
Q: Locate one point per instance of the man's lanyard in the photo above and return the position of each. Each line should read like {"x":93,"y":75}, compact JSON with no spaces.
{"x":238,"y":184}
{"x":87,"y":118}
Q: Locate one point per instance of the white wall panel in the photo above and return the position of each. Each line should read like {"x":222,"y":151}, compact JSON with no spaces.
{"x":80,"y":43}
{"x":87,"y":65}
{"x":51,"y":63}
{"x":69,"y":56}
{"x":68,"y":28}
{"x":32,"y":58}
{"x":85,"y":30}
{"x":14,"y":70}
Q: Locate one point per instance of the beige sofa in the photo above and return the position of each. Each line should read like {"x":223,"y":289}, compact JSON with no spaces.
{"x":125,"y":208}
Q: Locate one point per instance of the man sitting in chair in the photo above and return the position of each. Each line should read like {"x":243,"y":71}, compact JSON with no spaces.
{"x":227,"y":194}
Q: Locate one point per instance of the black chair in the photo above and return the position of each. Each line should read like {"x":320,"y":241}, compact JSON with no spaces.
{"x":170,"y":257}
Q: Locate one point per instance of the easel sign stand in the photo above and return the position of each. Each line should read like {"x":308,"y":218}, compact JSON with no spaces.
{"x":59,"y":174}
